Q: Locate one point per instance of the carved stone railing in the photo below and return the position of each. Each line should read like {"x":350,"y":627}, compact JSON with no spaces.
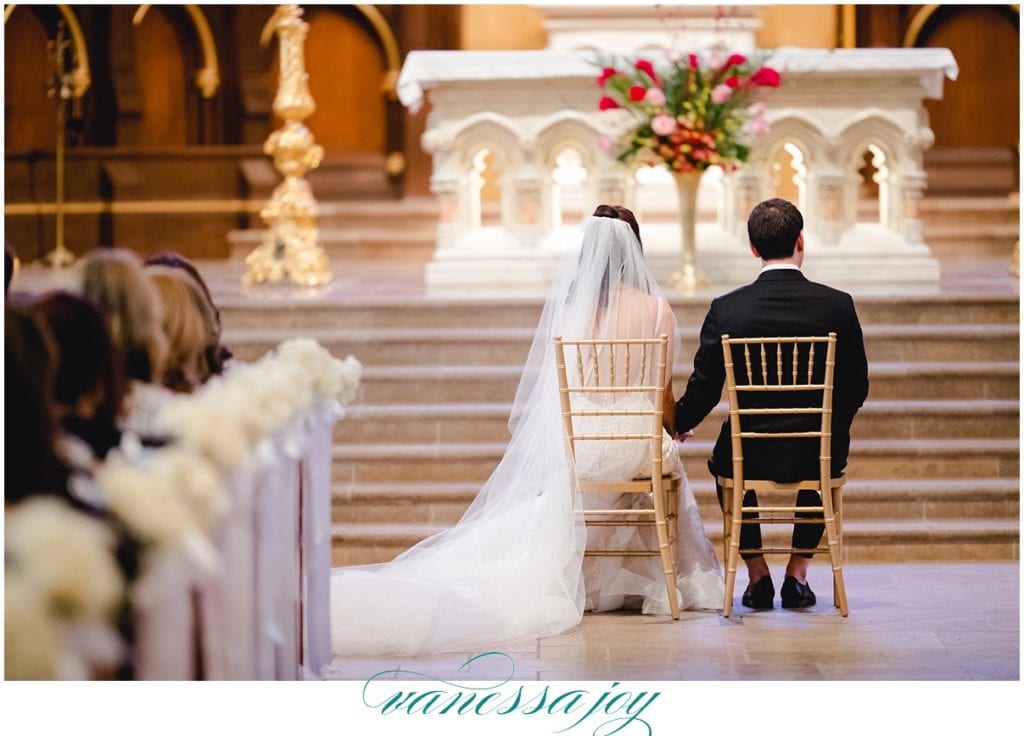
{"x":501,"y":123}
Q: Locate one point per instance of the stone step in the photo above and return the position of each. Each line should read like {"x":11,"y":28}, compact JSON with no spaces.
{"x":884,"y":499}
{"x":511,"y":345}
{"x":462,"y":422}
{"x":356,"y":464}
{"x":347,"y":244}
{"x":936,"y":211}
{"x":889,"y":381}
{"x":403,"y":215}
{"x":865,"y":541}
{"x":268,"y":310}
{"x":980,"y":240}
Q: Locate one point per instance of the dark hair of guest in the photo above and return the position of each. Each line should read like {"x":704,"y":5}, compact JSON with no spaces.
{"x":618,"y":212}
{"x":85,"y":368}
{"x":31,"y":465}
{"x":773,"y":228}
{"x":8,"y":267}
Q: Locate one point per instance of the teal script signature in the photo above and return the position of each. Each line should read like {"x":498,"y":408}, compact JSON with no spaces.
{"x":612,"y":709}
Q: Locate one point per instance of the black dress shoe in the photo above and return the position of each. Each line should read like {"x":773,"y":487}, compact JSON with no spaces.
{"x":760,"y":594}
{"x":796,"y":594}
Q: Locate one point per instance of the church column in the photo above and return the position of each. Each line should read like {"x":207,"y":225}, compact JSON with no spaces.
{"x":445,"y":185}
{"x":529,"y":191}
{"x":829,"y":188}
{"x":611,"y":186}
{"x":912,"y":187}
{"x":746,"y":194}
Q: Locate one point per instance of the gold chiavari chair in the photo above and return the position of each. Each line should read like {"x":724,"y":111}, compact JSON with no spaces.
{"x":771,"y":372}
{"x":620,"y":367}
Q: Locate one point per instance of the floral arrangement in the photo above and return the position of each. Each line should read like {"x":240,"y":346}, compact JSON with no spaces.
{"x":62,"y":588}
{"x":697,"y":112}
{"x":176,"y":495}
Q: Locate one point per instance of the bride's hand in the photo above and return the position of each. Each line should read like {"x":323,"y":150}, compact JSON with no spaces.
{"x":682,"y":437}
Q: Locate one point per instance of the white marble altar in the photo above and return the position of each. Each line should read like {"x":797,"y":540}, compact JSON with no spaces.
{"x":523,"y":127}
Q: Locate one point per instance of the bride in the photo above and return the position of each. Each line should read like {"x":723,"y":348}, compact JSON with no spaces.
{"x":512,"y":568}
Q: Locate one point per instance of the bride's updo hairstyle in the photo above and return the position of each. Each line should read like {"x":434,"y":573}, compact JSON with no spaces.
{"x":617,"y":212}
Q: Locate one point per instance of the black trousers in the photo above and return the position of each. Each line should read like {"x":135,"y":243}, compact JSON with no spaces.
{"x":805,"y":536}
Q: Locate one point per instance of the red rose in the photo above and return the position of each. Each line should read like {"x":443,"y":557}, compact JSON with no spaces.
{"x":732,"y":82}
{"x":694,"y":62}
{"x":606,"y":73}
{"x":636,"y":93}
{"x":734,"y":60}
{"x":642,"y":65}
{"x":765,"y":77}
{"x":607,"y":103}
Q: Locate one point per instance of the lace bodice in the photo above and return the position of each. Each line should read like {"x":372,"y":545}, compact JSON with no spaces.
{"x":619,"y":459}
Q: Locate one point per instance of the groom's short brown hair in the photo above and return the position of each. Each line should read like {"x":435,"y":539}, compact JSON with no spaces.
{"x":773,"y":227}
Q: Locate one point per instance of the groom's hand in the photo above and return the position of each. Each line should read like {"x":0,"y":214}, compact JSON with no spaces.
{"x":682,"y":437}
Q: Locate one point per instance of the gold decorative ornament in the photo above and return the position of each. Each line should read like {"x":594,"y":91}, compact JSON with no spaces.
{"x":291,"y":248}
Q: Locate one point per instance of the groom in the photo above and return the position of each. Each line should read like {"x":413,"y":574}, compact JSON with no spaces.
{"x":780,"y":303}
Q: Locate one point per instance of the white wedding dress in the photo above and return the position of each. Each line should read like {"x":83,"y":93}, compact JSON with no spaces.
{"x":513,"y":566}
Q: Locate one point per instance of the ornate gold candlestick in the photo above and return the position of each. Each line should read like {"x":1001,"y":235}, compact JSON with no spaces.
{"x":291,"y":247}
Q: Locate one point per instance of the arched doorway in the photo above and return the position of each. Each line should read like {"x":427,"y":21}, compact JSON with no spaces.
{"x":29,"y":117}
{"x":160,"y":62}
{"x":977,"y":123}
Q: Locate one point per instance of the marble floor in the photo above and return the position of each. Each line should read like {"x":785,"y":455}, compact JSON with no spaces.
{"x":925,"y":621}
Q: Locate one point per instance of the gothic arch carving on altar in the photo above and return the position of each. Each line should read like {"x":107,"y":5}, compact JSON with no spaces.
{"x":564,"y":133}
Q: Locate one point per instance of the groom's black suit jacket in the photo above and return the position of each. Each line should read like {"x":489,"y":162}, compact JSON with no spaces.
{"x":780,"y":303}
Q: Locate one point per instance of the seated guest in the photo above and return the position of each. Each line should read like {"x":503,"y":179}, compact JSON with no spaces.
{"x":114,"y":280}
{"x":217,"y":354}
{"x":31,"y":464}
{"x":87,"y":389}
{"x":10,"y":266}
{"x":189,"y":327}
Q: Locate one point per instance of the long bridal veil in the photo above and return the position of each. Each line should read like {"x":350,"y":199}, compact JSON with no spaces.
{"x":511,"y":568}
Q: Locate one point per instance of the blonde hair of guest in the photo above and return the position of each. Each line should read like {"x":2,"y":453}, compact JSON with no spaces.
{"x":113,"y":280}
{"x":189,"y":326}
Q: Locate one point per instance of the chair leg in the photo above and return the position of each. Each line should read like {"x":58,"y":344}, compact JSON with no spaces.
{"x":667,"y":556}
{"x":835,"y":553}
{"x":837,"y":510}
{"x":733,"y":551}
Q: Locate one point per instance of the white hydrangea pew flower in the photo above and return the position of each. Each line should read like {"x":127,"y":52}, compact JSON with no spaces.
{"x":61,"y":590}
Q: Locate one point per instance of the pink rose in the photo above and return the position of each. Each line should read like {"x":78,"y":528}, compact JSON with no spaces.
{"x":756,"y":109}
{"x":606,"y":73}
{"x":607,"y":103}
{"x":643,"y":65}
{"x":663,"y":124}
{"x":604,"y":144}
{"x":765,"y":77}
{"x":637,"y":93}
{"x":758,"y":126}
{"x":655,"y":96}
{"x":672,"y":56}
{"x":721,"y":93}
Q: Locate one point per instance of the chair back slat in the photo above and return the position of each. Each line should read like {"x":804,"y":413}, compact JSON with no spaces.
{"x":611,"y":373}
{"x":819,"y":376}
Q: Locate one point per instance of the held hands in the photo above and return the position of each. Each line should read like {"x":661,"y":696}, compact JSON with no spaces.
{"x":682,"y":437}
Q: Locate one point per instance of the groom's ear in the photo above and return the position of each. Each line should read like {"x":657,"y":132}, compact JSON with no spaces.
{"x":754,"y":251}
